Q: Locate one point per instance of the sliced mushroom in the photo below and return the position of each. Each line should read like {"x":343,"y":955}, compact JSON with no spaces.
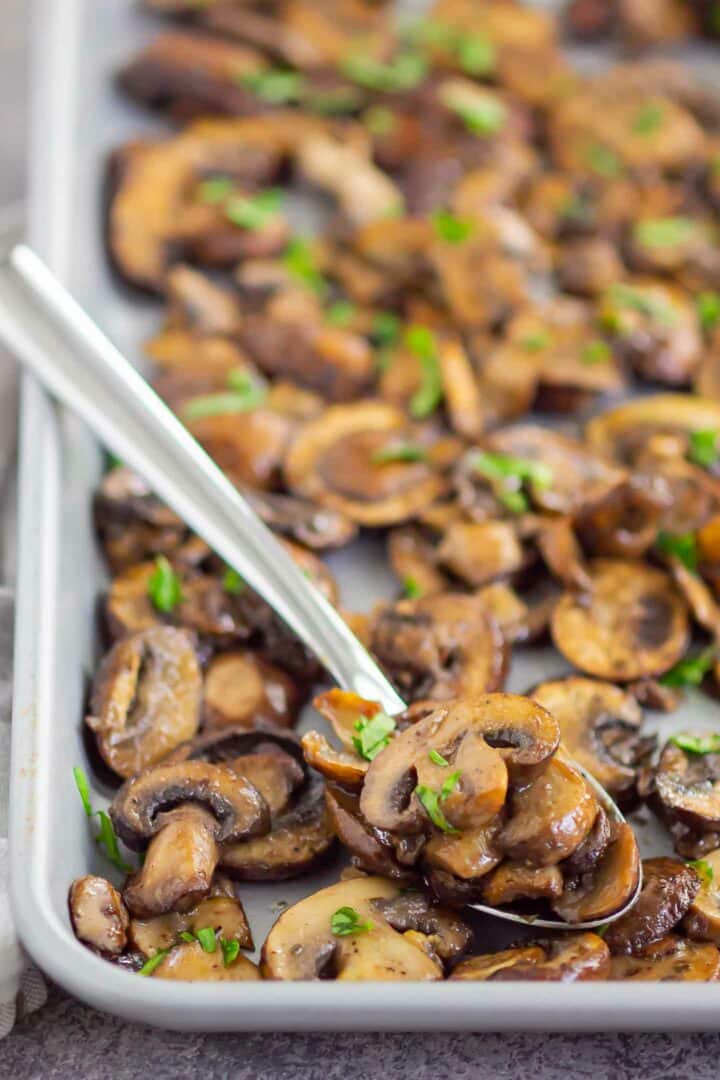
{"x":301,"y":944}
{"x":608,"y":885}
{"x":626,"y":522}
{"x":241,"y":689}
{"x":561,"y":552}
{"x":331,"y":462}
{"x":519,"y":621}
{"x":702,"y":921}
{"x":585,"y":856}
{"x":439,"y":932}
{"x":685,"y":786}
{"x":633,"y":623}
{"x":315,"y":527}
{"x":480,"y":738}
{"x":440,"y":647}
{"x":668,"y":889}
{"x":468,"y":856}
{"x":364,"y":192}
{"x":145,"y":699}
{"x":517,"y":881}
{"x":372,"y":849}
{"x":189,"y":962}
{"x":99,"y":916}
{"x":481,"y":553}
{"x":132,"y":523}
{"x":570,"y":958}
{"x":600,"y":729}
{"x":223,"y":914}
{"x":344,"y":767}
{"x":623,"y":433}
{"x":549,"y":817}
{"x":413,"y":558}
{"x":669,"y":960}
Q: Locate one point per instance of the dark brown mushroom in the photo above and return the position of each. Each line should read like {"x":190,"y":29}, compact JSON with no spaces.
{"x":440,"y":647}
{"x":517,"y":881}
{"x":372,"y":850}
{"x":600,"y":729}
{"x":684,"y":787}
{"x":222,"y":913}
{"x":132,"y":523}
{"x":570,"y":958}
{"x":668,"y":889}
{"x":626,"y":522}
{"x":467,"y":856}
{"x":610,"y":883}
{"x":632,"y":624}
{"x":243,"y":690}
{"x":98,"y":914}
{"x":316,"y":527}
{"x":670,"y":960}
{"x":480,"y":739}
{"x":145,"y":699}
{"x":702,"y":921}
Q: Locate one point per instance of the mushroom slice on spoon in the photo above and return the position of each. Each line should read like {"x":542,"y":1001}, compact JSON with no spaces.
{"x":609,"y":886}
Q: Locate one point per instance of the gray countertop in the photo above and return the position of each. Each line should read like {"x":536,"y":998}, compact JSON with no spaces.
{"x":67,"y":1039}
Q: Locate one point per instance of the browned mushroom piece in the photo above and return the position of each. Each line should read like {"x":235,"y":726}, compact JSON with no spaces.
{"x":560,"y":551}
{"x":145,"y":699}
{"x":570,"y":958}
{"x":684,"y":786}
{"x":479,"y":553}
{"x":132,"y":522}
{"x":467,"y":856}
{"x":573,"y":475}
{"x":632,"y":624}
{"x":671,"y":960}
{"x":314,"y":570}
{"x":626,"y":522}
{"x":342,"y":932}
{"x":98,"y":914}
{"x":413,"y":558}
{"x":241,"y":689}
{"x":440,"y":647}
{"x":608,"y":886}
{"x":461,"y":391}
{"x":299,"y":519}
{"x":549,"y":816}
{"x":222,"y":913}
{"x":189,"y":962}
{"x":372,"y":850}
{"x":600,"y":729}
{"x":479,"y":738}
{"x":669,"y":887}
{"x":345,"y":767}
{"x":412,"y":912}
{"x":588,"y":266}
{"x":340,"y":461}
{"x":702,"y":921}
{"x":593,"y":846}
{"x":517,"y":881}
{"x":363,"y":191}
{"x":623,"y":433}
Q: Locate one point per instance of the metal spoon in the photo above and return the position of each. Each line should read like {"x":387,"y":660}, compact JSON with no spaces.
{"x":48,"y":332}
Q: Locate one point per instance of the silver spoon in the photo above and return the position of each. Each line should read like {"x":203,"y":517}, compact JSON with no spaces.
{"x":48,"y":332}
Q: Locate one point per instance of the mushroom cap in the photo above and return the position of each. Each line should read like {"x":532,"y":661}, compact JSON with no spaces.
{"x":145,"y":698}
{"x":98,"y":914}
{"x":686,"y":787}
{"x":188,"y":962}
{"x":608,"y":885}
{"x":668,"y":889}
{"x":570,"y":958}
{"x":621,"y":431}
{"x":372,"y":849}
{"x":633,"y":623}
{"x":702,"y":921}
{"x":670,"y":960}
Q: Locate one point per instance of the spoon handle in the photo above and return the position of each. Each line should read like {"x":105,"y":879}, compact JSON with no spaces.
{"x":48,"y":331}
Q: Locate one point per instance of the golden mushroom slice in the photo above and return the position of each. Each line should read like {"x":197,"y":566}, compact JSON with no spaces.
{"x":347,"y":932}
{"x":223,"y":914}
{"x":631,"y":625}
{"x":189,"y":962}
{"x":671,"y":960}
{"x":145,"y":699}
{"x":355,"y":459}
{"x":481,"y":552}
{"x":668,"y":890}
{"x":451,"y":769}
{"x":98,"y":914}
{"x":518,"y":881}
{"x":569,"y":958}
{"x":440,"y":647}
{"x":608,"y":885}
{"x":702,"y":921}
{"x":624,"y":432}
{"x":550,"y":816}
{"x":600,"y":729}
{"x":243,"y":690}
{"x":344,"y":767}
{"x":468,"y":856}
{"x":413,"y":558}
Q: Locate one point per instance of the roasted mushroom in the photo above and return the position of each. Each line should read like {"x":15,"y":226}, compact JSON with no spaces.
{"x":669,"y":888}
{"x":702,"y":921}
{"x":608,"y":885}
{"x":570,"y":958}
{"x":99,"y":916}
{"x":670,"y":960}
{"x":190,"y":962}
{"x":684,"y":786}
{"x":242,"y":689}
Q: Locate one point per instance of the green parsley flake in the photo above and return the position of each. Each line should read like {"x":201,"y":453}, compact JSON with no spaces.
{"x":664,"y":232}
{"x":206,"y":937}
{"x":509,"y":474}
{"x":106,"y":838}
{"x":299,"y":261}
{"x":233,"y":583}
{"x":648,"y":304}
{"x":413,"y":589}
{"x":155,"y":960}
{"x":423,"y":344}
{"x":690,"y":672}
{"x":595,"y":352}
{"x":185,"y":935}
{"x":215,"y":190}
{"x":483,"y":117}
{"x":255,"y":211}
{"x":399,"y":452}
{"x":603,"y":161}
{"x":224,"y":403}
{"x":373,"y":734}
{"x":404,"y":72}
{"x":438,"y":759}
{"x":648,"y":119}
{"x":430,"y":801}
{"x":703,"y":869}
{"x":703,"y":447}
{"x":81,"y":782}
{"x":276,"y":86}
{"x":708,"y":309}
{"x":341,"y":312}
{"x":165,"y":586}
{"x":230,"y":951}
{"x":476,"y":54}
{"x":682,"y":546}
{"x":449,"y":785}
{"x":697,"y":744}
{"x":379,"y":120}
{"x":346,"y":921}
{"x":451,"y":229}
{"x":385,"y":329}
{"x":535,"y":342}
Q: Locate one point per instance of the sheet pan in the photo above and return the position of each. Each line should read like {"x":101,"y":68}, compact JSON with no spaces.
{"x":77,"y":117}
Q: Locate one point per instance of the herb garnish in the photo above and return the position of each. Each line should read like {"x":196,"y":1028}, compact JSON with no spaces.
{"x":625,"y":296}
{"x":226,"y":402}
{"x":431,"y":801}
{"x":373,"y":734}
{"x":155,"y":960}
{"x":233,"y":583}
{"x":346,"y":921}
{"x":230,"y":950}
{"x":403,"y":72}
{"x":255,"y":211}
{"x":703,"y":447}
{"x":341,"y":312}
{"x":451,"y":229}
{"x":399,"y":452}
{"x":682,"y":546}
{"x":276,"y":86}
{"x":216,"y":189}
{"x":648,"y":119}
{"x":536,"y":342}
{"x":413,"y":589}
{"x":703,"y":869}
{"x":697,"y":744}
{"x":708,"y":309}
{"x":423,"y":344}
{"x":602,"y":160}
{"x":165,"y":586}
{"x":299,"y":261}
{"x":438,"y":759}
{"x":106,"y":837}
{"x":595,"y":352}
{"x":690,"y":672}
{"x":509,"y":475}
{"x":664,"y":232}
{"x":379,"y":120}
{"x":482,"y":117}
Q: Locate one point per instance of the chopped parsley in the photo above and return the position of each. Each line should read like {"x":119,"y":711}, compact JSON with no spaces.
{"x":255,"y":211}
{"x":299,"y":261}
{"x":216,"y":189}
{"x":451,"y":229}
{"x":341,"y":312}
{"x":165,"y":586}
{"x":596,"y":352}
{"x":230,"y":951}
{"x":703,"y":447}
{"x":276,"y":86}
{"x":155,"y":960}
{"x":703,"y":869}
{"x":664,"y":232}
{"x":206,"y":937}
{"x":476,"y":54}
{"x":648,"y":119}
{"x":244,"y":395}
{"x":385,"y":329}
{"x":404,"y":72}
{"x":690,"y":672}
{"x":603,"y":161}
{"x":399,"y":452}
{"x":482,"y":117}
{"x":708,"y":309}
{"x":346,"y":921}
{"x":431,"y":801}
{"x":379,"y":120}
{"x":81,"y":782}
{"x":106,"y":838}
{"x":625,"y":296}
{"x":438,"y":759}
{"x":508,"y":476}
{"x":697,"y":744}
{"x":682,"y":546}
{"x":536,"y":342}
{"x":233,"y":583}
{"x":373,"y":734}
{"x":413,"y":589}
{"x":422,"y":343}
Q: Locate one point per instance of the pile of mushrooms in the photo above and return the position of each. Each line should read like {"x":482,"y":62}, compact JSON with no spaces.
{"x":509,"y":250}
